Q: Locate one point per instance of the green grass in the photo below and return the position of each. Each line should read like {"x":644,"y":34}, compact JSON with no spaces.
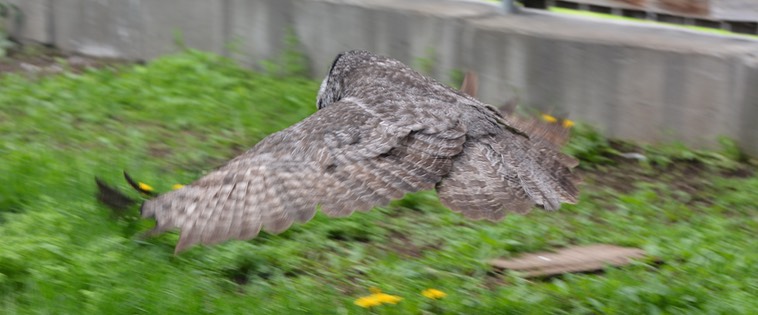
{"x":169,"y":121}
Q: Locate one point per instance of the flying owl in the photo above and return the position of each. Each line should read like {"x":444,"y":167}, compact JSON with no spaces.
{"x":381,"y":130}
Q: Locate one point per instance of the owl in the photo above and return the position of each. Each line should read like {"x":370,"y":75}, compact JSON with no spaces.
{"x":381,"y":130}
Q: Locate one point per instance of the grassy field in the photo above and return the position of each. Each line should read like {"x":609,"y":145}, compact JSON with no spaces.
{"x":167,"y":122}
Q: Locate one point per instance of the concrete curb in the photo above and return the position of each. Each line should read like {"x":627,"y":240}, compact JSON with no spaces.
{"x":646,"y":83}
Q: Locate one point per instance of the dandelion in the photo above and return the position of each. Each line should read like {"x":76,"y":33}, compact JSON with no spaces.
{"x":368,"y":301}
{"x":567,"y":123}
{"x":145,"y":187}
{"x":549,"y":118}
{"x":386,"y":298}
{"x":377,"y":298}
{"x":433,"y":294}
{"x":177,"y":186}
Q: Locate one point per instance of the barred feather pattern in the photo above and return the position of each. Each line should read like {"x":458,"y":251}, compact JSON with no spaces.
{"x":382,"y":130}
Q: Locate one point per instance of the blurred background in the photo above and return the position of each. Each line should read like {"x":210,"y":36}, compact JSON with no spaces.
{"x":660,"y":96}
{"x":630,"y":78}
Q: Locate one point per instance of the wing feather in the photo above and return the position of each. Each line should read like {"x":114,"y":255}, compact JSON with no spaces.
{"x":506,"y":172}
{"x":344,"y":157}
{"x":382,"y":130}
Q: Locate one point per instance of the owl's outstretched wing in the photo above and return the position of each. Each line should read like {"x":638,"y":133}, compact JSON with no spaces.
{"x":345,"y":157}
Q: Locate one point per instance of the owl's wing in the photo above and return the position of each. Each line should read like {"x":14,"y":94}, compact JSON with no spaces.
{"x":345,"y":157}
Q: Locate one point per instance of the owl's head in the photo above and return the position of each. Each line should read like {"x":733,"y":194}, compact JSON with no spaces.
{"x":334,"y":84}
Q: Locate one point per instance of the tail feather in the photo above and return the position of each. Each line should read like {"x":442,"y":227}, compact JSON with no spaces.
{"x":481,"y":186}
{"x":508,"y":173}
{"x":544,"y":173}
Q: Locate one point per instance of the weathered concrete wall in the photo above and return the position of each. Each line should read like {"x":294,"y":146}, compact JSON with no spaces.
{"x":641,"y":82}
{"x":746,"y":98}
{"x":647,"y":83}
{"x":36,"y":20}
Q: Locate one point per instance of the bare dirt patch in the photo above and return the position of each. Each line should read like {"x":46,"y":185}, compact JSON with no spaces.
{"x":689,"y":177}
{"x":42,"y":60}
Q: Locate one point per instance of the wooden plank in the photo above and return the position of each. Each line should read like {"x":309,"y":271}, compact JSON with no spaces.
{"x":569,"y":260}
{"x":731,"y":10}
{"x":684,"y":7}
{"x":698,"y":8}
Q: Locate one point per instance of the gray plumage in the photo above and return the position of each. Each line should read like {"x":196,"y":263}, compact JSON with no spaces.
{"x":382,"y":130}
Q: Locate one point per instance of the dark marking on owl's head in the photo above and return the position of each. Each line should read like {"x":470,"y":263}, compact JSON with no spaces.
{"x":334,"y":63}
{"x":333,"y":85}
{"x":328,"y":92}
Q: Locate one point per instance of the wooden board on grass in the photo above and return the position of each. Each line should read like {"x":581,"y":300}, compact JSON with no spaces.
{"x":570,"y":259}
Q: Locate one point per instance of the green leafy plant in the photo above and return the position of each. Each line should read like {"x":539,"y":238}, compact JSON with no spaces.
{"x":730,"y":157}
{"x":455,"y":77}
{"x":589,"y":146}
{"x":427,"y":63}
{"x":291,"y":62}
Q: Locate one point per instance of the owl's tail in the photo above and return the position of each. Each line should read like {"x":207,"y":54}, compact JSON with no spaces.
{"x":509,"y":173}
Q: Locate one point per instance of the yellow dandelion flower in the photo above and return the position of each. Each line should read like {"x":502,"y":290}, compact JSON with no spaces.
{"x":145,"y":187}
{"x":433,"y":294}
{"x":386,"y":298}
{"x":377,"y":298}
{"x":549,"y":118}
{"x":368,"y":301}
{"x":568,"y":123}
{"x":177,"y":186}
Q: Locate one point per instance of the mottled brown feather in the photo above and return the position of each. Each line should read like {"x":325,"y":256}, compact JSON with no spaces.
{"x":382,"y":130}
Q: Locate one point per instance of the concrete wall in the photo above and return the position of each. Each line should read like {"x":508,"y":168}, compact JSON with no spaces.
{"x":641,"y":82}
